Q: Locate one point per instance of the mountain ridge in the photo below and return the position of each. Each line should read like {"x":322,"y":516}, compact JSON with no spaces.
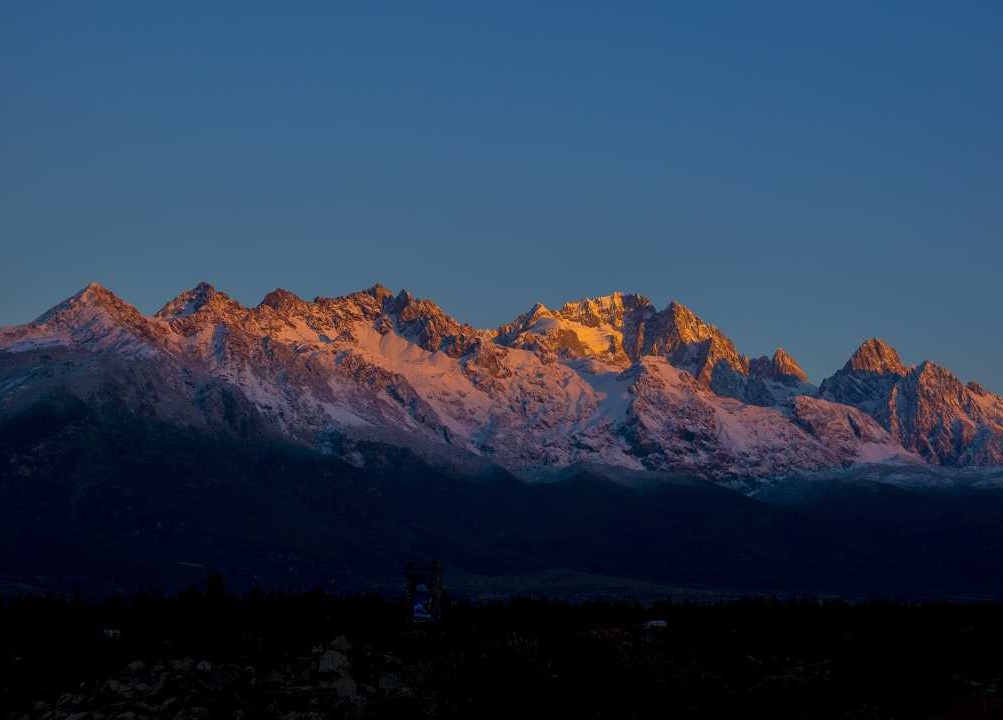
{"x":609,"y":380}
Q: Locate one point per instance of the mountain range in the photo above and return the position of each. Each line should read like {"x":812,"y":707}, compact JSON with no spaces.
{"x":602,"y":444}
{"x":610,"y":380}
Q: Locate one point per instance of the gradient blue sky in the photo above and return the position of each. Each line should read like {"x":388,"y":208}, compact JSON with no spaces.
{"x":799,"y":176}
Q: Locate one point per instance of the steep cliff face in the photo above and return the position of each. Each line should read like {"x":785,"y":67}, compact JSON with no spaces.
{"x":781,"y":367}
{"x":608,"y":380}
{"x":690,"y":343}
{"x":931,"y":412}
{"x":925,"y":408}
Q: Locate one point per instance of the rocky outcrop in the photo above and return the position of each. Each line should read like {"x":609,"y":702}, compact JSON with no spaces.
{"x":876,"y":357}
{"x":780,"y":368}
{"x":425,"y":324}
{"x":931,"y":412}
{"x":690,"y":343}
{"x":925,"y":408}
{"x":867,"y":379}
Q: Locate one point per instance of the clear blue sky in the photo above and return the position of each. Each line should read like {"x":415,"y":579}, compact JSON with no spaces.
{"x":804,"y":176}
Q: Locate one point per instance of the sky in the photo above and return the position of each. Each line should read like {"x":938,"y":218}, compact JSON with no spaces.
{"x":806,"y":175}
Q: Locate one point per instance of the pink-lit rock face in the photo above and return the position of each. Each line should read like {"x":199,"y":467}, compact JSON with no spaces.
{"x":926,"y":408}
{"x":609,"y":380}
{"x":878,"y":357}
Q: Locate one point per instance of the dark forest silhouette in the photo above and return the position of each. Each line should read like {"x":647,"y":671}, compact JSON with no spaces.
{"x":266,"y":654}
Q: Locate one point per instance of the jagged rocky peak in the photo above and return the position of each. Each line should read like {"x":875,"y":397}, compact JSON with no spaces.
{"x":692,"y":344}
{"x":408,"y":308}
{"x":781,"y":367}
{"x":363,"y":304}
{"x":688,"y":326}
{"x":877,"y":357}
{"x":283,"y":300}
{"x":379,"y":292}
{"x":867,"y":379}
{"x":405,"y":301}
{"x":94,"y":319}
{"x":93,"y":296}
{"x":423,"y":322}
{"x":538,"y":311}
{"x":611,"y":309}
{"x":786,"y":366}
{"x":93,"y":293}
{"x":932,"y":370}
{"x":538,"y":318}
{"x":624,"y":327}
{"x":944,"y":420}
{"x":937,"y":383}
{"x":202,"y":298}
{"x":926,"y":408}
{"x":589,"y":328}
{"x":187,"y":302}
{"x":688,"y":329}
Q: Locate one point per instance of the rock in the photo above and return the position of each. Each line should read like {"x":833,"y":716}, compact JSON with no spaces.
{"x":877,"y":357}
{"x":781,"y":367}
{"x":333,"y":661}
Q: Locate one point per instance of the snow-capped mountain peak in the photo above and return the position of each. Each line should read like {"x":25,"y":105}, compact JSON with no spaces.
{"x":93,"y":295}
{"x":201,"y":298}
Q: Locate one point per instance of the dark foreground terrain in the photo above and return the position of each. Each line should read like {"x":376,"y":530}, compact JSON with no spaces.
{"x":212,"y":655}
